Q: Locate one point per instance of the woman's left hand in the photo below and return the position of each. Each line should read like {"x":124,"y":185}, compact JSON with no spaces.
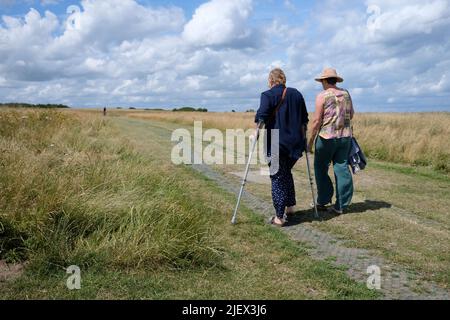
{"x":310,"y":146}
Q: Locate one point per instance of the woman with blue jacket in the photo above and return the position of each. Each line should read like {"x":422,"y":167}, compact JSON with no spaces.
{"x":283,"y":109}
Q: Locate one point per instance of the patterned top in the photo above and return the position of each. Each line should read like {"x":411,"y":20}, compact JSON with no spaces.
{"x":337,"y":115}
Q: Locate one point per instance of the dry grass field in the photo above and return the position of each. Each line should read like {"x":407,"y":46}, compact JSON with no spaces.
{"x":418,"y":139}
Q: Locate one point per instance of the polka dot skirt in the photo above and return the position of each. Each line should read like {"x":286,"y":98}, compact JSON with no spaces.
{"x":283,"y":190}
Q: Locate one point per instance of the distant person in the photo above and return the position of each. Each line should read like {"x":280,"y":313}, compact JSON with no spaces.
{"x":104,"y":111}
{"x":284,"y":109}
{"x":333,"y":129}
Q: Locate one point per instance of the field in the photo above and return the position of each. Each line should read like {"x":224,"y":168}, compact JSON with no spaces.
{"x":415,"y":139}
{"x":101,"y":193}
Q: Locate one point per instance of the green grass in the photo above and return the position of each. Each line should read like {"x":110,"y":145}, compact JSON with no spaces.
{"x":74,"y":194}
{"x":101,"y":194}
{"x":416,"y":171}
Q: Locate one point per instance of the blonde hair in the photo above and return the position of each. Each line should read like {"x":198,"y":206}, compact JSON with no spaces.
{"x":277,"y":77}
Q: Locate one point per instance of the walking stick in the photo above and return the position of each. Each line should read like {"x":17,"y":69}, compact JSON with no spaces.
{"x":260,"y":126}
{"x":316,"y":213}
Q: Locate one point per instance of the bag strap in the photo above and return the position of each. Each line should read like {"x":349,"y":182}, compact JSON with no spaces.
{"x":280,"y":103}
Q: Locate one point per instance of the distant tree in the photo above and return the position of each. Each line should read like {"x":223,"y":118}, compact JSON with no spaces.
{"x":132,"y":108}
{"x":233,"y":110}
{"x":119,"y":108}
{"x":251,"y":110}
{"x":184,"y":109}
{"x":190,"y":109}
{"x":28,"y":105}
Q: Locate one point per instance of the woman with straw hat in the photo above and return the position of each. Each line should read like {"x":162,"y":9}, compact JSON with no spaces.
{"x":332,"y":133}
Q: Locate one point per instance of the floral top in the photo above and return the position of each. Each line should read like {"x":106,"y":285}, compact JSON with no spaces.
{"x":337,"y":115}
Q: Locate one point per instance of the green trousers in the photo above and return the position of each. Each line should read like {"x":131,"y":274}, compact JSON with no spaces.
{"x":336,"y":151}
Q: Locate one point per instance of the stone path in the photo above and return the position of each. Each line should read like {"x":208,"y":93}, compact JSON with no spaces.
{"x":253,"y":177}
{"x":396,"y":283}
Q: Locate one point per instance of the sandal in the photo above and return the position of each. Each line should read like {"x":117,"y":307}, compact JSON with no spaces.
{"x":335,"y":211}
{"x":272,"y":222}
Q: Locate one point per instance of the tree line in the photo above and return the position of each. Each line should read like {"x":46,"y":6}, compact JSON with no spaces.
{"x":28,"y":105}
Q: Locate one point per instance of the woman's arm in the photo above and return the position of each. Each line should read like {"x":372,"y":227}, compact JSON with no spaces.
{"x":352,"y":111}
{"x":317,"y":121}
{"x":265,"y":110}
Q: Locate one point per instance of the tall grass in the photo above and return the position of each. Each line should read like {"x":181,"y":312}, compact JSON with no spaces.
{"x":72,"y":192}
{"x":417,"y":139}
{"x":420,"y":139}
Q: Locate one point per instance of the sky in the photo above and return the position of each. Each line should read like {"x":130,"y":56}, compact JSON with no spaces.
{"x":393,"y":54}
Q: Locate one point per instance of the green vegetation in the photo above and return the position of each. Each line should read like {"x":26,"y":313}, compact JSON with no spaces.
{"x":27,"y":105}
{"x":190,"y":109}
{"x":72,"y":193}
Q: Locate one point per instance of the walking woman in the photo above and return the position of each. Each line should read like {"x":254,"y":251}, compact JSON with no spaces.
{"x":283,"y":109}
{"x":332,"y":132}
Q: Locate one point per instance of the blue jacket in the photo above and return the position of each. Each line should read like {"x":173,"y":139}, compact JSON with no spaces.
{"x":289,"y":119}
{"x":356,"y":158}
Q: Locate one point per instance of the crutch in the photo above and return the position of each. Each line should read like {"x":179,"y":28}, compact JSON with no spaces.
{"x":316,"y":213}
{"x":260,"y":126}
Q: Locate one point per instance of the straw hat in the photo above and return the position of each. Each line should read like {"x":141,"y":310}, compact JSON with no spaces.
{"x":329,"y":73}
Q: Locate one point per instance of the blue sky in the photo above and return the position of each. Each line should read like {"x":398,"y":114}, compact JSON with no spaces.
{"x":263,"y":9}
{"x":394,"y":55}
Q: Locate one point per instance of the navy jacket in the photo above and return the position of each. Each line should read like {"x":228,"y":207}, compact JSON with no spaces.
{"x":356,"y":158}
{"x":289,"y":119}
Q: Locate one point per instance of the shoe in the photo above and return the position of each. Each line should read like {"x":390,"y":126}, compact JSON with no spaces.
{"x":335,"y":211}
{"x":319,"y":207}
{"x":272,"y":222}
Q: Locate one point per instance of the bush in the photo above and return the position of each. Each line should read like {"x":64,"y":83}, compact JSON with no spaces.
{"x":189,"y":109}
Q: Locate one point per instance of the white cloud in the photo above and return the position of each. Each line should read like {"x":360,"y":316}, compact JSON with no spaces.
{"x":220,"y":23}
{"x":123,"y":52}
{"x":400,"y":56}
{"x":413,"y":19}
{"x":102,"y":23}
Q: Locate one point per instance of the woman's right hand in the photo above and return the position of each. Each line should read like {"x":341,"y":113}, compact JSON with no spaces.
{"x":310,"y":145}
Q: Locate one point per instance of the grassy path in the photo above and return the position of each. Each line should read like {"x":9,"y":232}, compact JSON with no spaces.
{"x":337,"y":238}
